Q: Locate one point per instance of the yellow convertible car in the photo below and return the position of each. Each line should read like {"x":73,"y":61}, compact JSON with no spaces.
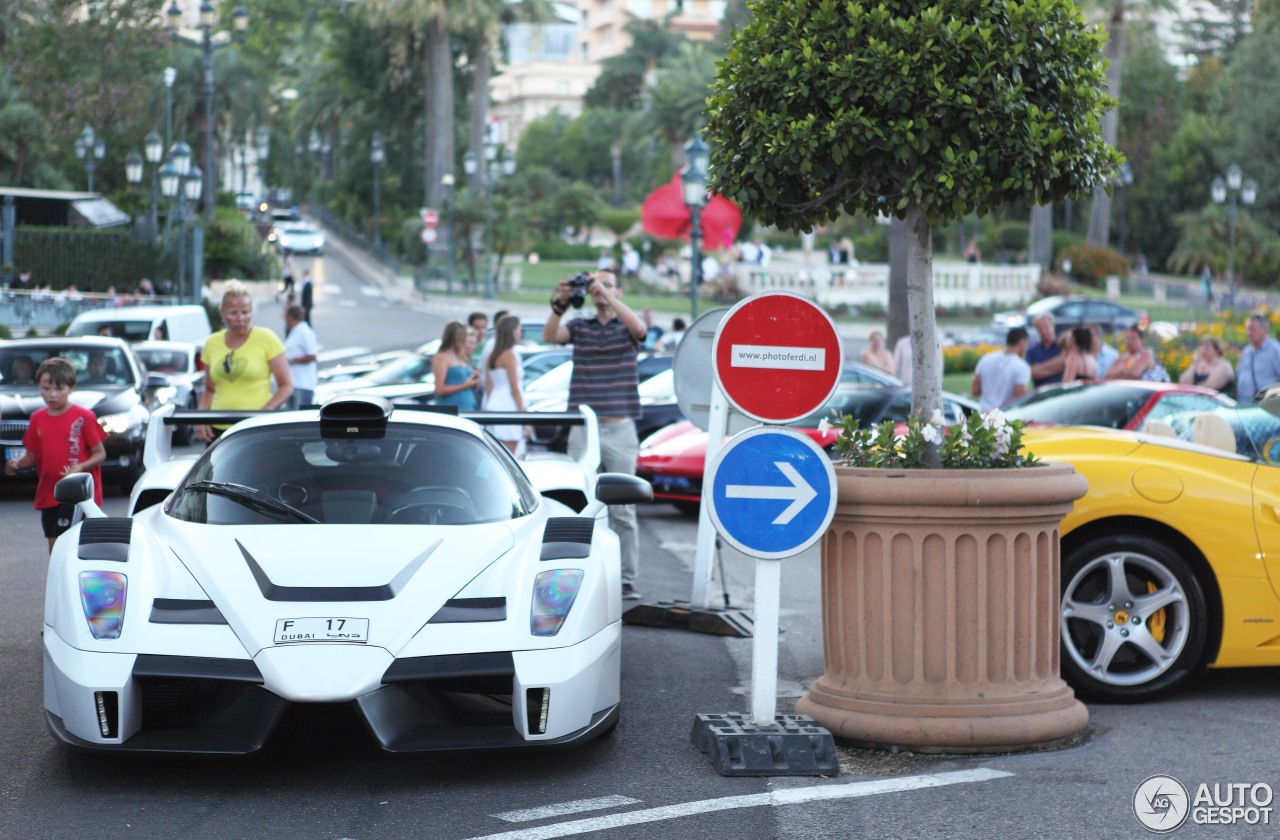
{"x":1172,"y":559}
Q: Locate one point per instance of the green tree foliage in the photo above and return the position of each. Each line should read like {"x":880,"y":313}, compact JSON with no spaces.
{"x":907,"y":107}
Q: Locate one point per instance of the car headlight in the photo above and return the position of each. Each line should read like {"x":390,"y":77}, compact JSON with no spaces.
{"x":102,"y":596}
{"x":122,"y":423}
{"x":553,"y":595}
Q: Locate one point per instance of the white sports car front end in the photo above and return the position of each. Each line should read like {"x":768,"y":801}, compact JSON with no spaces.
{"x":396,"y":560}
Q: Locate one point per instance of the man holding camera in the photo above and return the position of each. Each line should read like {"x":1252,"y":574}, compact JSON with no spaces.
{"x":605,"y":379}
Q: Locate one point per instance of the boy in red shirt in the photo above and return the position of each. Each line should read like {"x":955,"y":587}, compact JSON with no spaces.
{"x":61,"y":439}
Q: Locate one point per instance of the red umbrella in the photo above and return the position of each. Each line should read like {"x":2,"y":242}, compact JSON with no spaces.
{"x":665,"y":215}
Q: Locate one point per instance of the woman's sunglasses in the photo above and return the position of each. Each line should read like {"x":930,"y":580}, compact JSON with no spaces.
{"x":226,"y":362}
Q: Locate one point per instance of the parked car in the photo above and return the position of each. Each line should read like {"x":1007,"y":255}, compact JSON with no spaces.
{"x":1115,"y":404}
{"x":452,"y":598}
{"x":179,"y":361}
{"x":1171,"y":561}
{"x":299,"y":238}
{"x":673,"y":459}
{"x":179,"y":322}
{"x":1069,"y":312}
{"x":118,"y":397}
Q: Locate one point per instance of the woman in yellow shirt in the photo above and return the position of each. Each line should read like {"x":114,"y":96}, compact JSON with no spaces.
{"x":241,"y":362}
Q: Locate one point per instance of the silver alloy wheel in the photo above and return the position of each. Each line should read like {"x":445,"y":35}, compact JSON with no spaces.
{"x":1108,"y":610}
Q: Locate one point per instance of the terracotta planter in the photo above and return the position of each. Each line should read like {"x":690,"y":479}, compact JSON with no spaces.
{"x":940,"y":610}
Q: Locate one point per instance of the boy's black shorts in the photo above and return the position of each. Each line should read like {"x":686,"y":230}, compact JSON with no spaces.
{"x":56,"y":520}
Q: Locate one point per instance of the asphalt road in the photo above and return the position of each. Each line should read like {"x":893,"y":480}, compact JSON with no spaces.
{"x":321,"y":777}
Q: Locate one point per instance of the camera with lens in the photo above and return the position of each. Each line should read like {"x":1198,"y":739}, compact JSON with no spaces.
{"x":578,"y":284}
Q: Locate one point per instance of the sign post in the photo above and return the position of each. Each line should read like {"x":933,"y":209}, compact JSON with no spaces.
{"x":771,"y":493}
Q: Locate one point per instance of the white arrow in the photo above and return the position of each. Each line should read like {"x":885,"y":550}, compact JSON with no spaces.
{"x":800,"y":492}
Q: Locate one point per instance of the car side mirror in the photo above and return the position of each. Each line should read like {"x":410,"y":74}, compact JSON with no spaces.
{"x":622,"y":489}
{"x":156,"y":381}
{"x":74,"y":489}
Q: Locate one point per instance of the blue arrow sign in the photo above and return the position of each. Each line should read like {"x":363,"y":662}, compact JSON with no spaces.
{"x":772,"y":492}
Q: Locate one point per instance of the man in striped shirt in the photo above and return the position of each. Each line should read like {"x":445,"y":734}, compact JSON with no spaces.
{"x":605,"y":379}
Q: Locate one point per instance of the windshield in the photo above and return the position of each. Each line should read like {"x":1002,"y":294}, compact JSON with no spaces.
{"x":130,"y":329}
{"x":164,"y":361}
{"x":415,"y":475}
{"x":95,"y":366}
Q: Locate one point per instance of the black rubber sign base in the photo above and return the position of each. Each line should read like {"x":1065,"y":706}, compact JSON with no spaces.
{"x":681,"y":615}
{"x":793,"y":745}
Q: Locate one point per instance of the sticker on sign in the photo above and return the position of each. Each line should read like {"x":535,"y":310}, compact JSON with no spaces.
{"x":777,"y":358}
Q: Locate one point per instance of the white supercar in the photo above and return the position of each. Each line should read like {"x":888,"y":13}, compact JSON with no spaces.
{"x":397,"y":560}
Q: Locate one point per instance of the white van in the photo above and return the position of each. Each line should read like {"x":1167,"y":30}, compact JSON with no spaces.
{"x":184,"y":322}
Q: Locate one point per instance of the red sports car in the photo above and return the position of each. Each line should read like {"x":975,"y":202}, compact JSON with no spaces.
{"x":1115,"y":404}
{"x":673,"y":458}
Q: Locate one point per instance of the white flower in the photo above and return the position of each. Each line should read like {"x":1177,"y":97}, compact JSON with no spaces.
{"x":931,"y":433}
{"x":993,"y":419}
{"x":824,"y":427}
{"x":937,"y":419}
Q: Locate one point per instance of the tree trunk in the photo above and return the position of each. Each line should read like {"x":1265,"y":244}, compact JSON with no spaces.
{"x":897,"y":324}
{"x":1041,"y":245}
{"x":480,"y":108}
{"x":1099,"y":233}
{"x":926,"y":361}
{"x":439,"y":114}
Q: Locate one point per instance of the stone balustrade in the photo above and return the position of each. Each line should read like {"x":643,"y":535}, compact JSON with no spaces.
{"x":867,"y":284}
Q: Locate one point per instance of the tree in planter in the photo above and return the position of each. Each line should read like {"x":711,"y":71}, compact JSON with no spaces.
{"x":923,"y":110}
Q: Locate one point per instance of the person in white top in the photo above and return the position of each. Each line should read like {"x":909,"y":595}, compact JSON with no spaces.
{"x":504,"y":383}
{"x":300,"y":350}
{"x":1003,"y":375}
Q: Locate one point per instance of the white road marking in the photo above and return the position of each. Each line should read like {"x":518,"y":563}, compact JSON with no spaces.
{"x":349,"y":304}
{"x":790,"y":796}
{"x":370,"y":291}
{"x":566,"y":808}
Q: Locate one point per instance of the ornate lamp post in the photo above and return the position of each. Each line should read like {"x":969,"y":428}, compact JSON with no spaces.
{"x":192,"y":185}
{"x":90,"y":148}
{"x":694,"y":186}
{"x":153,"y":151}
{"x":208,"y":20}
{"x":133,"y":171}
{"x":175,"y":169}
{"x":313,"y":146}
{"x":261,"y":148}
{"x":376,"y":155}
{"x":1239,"y":191}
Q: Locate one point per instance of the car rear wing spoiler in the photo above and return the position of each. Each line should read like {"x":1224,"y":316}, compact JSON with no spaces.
{"x":159,"y":448}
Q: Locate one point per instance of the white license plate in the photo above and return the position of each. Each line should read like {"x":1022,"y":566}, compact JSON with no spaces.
{"x":13,"y":453}
{"x":298,"y":630}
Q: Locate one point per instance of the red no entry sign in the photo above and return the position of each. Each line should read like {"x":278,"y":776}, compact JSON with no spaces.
{"x":778,"y":357}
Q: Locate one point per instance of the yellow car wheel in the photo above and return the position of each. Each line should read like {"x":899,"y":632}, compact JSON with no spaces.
{"x":1134,"y":619}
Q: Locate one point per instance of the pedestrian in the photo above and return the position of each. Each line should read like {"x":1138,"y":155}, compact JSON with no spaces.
{"x":1206,"y":286}
{"x":605,"y":347}
{"x":630,"y":261}
{"x":504,"y":382}
{"x":874,"y":355}
{"x":456,"y":378}
{"x":478,"y":323}
{"x":1045,"y":355}
{"x":1259,"y":365}
{"x":241,"y":363}
{"x":1137,"y":359}
{"x":306,"y":293}
{"x":286,"y":275}
{"x":300,"y":350}
{"x":605,"y":260}
{"x":1077,"y":353}
{"x":1209,"y":368}
{"x":61,"y":439}
{"x":902,"y":359}
{"x":1103,"y":350}
{"x":972,"y":254}
{"x":652,"y":332}
{"x":1003,"y":375}
{"x":671,"y":340}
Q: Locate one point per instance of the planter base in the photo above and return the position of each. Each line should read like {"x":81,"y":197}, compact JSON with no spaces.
{"x":977,"y":725}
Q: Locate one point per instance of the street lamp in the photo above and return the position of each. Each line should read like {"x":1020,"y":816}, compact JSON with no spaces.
{"x":694,"y":186}
{"x":133,"y":168}
{"x":262,"y":147}
{"x":153,"y":151}
{"x":175,"y":169}
{"x":447,"y":181}
{"x":170,"y":75}
{"x":90,"y":148}
{"x":208,"y":20}
{"x":313,"y":146}
{"x":377,"y":154}
{"x":1239,"y":191}
{"x":494,"y":167}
